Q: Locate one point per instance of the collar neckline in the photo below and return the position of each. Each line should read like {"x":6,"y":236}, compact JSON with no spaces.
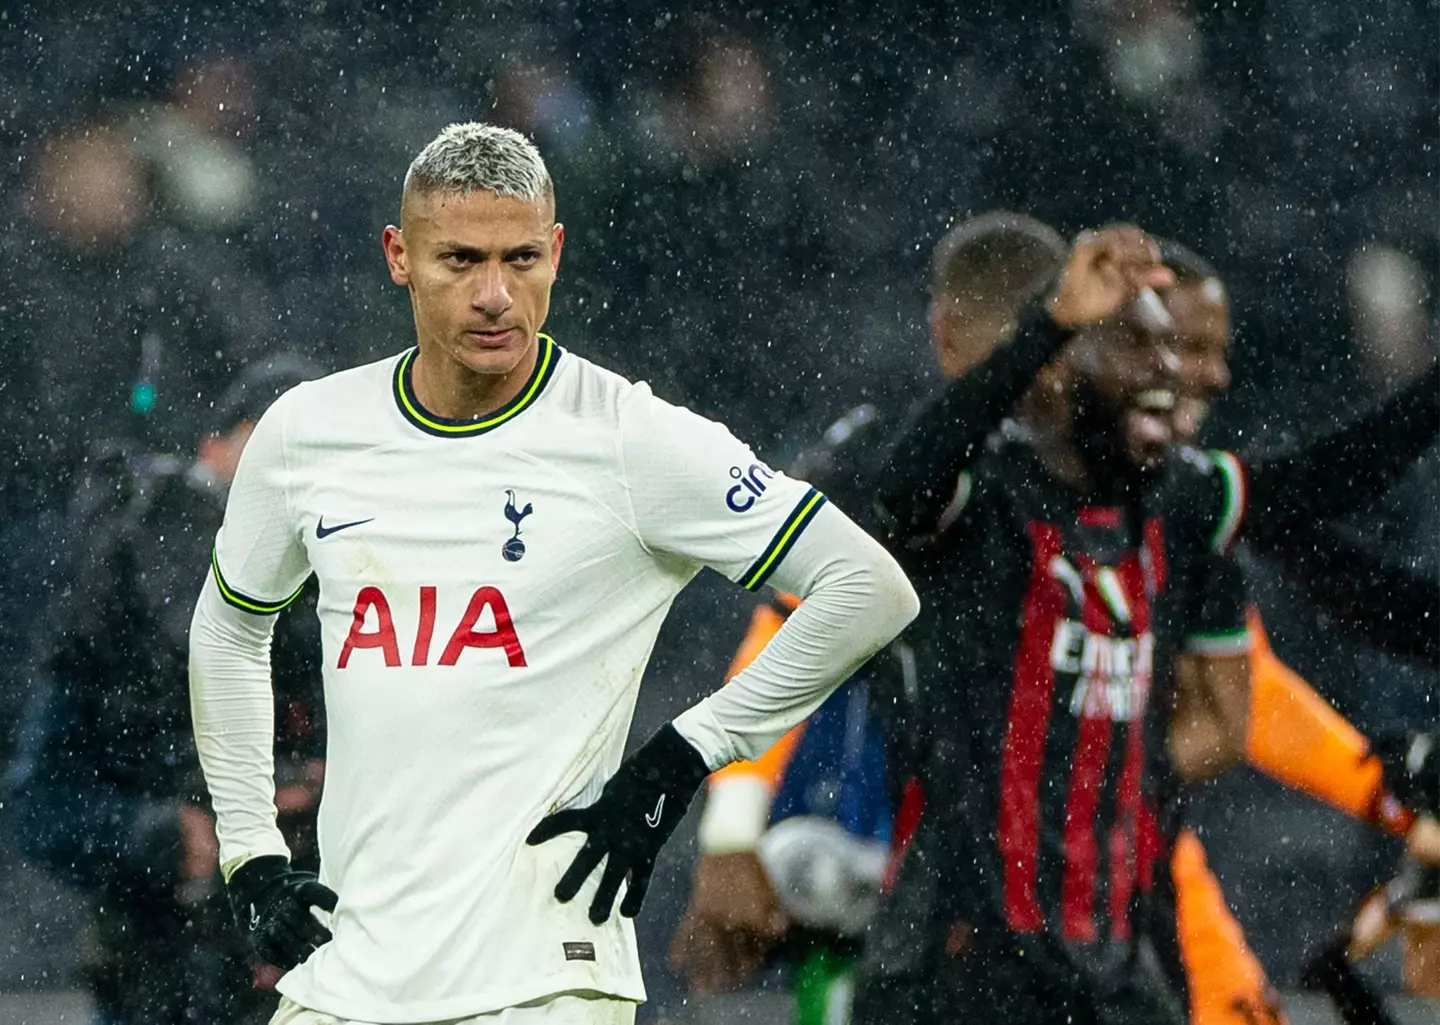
{"x":445,"y":427}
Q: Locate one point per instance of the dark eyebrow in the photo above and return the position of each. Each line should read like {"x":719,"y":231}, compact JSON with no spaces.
{"x":476,"y":253}
{"x":460,"y":249}
{"x":524,"y":247}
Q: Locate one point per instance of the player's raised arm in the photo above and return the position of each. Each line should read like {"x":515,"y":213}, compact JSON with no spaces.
{"x":1104,"y":270}
{"x":917,"y":477}
{"x":1345,"y":470}
{"x":1386,"y":602}
{"x":699,"y":497}
{"x":257,"y":568}
{"x":1211,"y":712}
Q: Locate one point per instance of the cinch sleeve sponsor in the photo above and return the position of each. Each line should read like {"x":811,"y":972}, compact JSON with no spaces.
{"x":698,"y":492}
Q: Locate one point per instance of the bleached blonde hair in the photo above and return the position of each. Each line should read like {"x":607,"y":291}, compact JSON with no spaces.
{"x":472,"y":157}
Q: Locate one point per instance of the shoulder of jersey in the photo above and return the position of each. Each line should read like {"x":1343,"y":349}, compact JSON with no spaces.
{"x":351,"y":389}
{"x":590,"y":388}
{"x":601,"y":394}
{"x":591,"y":394}
{"x":1208,"y":489}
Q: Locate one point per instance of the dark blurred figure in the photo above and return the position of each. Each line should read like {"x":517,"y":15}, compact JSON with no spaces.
{"x":1342,"y":600}
{"x":122,"y":326}
{"x":71,"y":352}
{"x":204,"y":179}
{"x":116,"y":328}
{"x":543,"y":97}
{"x":720,"y":225}
{"x":104,"y":790}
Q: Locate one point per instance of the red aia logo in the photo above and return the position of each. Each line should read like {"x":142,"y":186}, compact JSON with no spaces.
{"x":464,"y":636}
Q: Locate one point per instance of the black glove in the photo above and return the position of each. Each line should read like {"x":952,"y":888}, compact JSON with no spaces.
{"x":272,"y":903}
{"x":634,"y":816}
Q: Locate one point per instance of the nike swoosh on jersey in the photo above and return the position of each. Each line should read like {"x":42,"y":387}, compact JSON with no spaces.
{"x":652,"y":819}
{"x":322,"y":531}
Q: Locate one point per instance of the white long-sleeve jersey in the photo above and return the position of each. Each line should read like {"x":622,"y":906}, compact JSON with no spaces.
{"x":490,"y":592}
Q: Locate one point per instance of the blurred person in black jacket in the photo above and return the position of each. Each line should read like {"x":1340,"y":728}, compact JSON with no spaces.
{"x":122,"y":326}
{"x":114,"y":326}
{"x":65,"y":306}
{"x":1019,"y":909}
{"x":721,"y":222}
{"x":104,"y":789}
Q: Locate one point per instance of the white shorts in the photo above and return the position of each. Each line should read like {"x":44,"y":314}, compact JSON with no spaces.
{"x":560,"y":1009}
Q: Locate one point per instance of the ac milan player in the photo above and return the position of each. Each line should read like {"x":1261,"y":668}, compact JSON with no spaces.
{"x":1294,"y":736}
{"x":1068,"y":578}
{"x":1064,"y":623}
{"x":983,"y":270}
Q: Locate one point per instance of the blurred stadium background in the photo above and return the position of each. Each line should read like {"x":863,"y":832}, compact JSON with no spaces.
{"x":751,"y":192}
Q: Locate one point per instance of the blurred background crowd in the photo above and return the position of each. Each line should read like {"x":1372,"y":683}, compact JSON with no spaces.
{"x":751,"y":192}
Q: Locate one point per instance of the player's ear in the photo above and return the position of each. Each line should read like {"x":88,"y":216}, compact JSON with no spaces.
{"x":396,"y":257}
{"x":937,"y":317}
{"x":557,"y":243}
{"x":940,"y":316}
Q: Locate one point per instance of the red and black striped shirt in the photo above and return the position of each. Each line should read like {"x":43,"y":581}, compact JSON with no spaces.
{"x":1044,"y":656}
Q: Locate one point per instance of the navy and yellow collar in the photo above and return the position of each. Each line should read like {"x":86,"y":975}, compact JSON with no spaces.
{"x":444,"y":427}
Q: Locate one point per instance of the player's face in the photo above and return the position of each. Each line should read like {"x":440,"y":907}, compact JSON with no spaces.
{"x":1201,"y":344}
{"x":479,"y":269}
{"x":1124,"y":389}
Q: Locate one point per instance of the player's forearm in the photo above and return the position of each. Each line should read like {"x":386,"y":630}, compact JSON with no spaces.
{"x":1345,"y":470}
{"x":232,"y":710}
{"x":1204,"y":747}
{"x":856,"y":600}
{"x":1297,"y":739}
{"x":737,"y":797}
{"x":1210,"y":724}
{"x":917,"y":479}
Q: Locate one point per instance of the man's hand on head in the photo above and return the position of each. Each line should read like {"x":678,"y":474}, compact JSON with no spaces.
{"x":1104,"y":271}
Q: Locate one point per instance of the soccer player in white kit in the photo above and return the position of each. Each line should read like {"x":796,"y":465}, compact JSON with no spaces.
{"x":498,"y":528}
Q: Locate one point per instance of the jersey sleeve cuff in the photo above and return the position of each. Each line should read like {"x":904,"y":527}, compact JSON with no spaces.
{"x":242,"y":601}
{"x":790,"y":530}
{"x":229,"y":865}
{"x":1232,"y":476}
{"x":698,"y":725}
{"x":1221,"y":642}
